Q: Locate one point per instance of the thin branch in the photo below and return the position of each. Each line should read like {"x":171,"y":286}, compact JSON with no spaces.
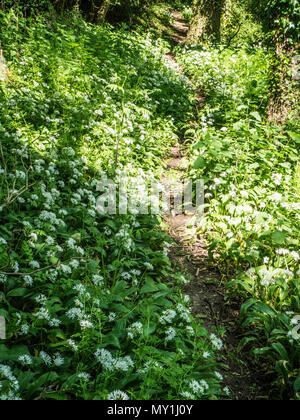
{"x":44,"y":268}
{"x":13,"y":197}
{"x":20,"y":192}
{"x":239,"y":28}
{"x":5,"y":171}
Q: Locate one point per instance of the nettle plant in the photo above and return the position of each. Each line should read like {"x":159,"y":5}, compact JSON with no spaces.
{"x":251,"y":171}
{"x":88,"y":301}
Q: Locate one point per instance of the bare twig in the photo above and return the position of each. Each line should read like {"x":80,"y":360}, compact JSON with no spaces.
{"x":42,"y":269}
{"x":10,"y":200}
{"x":13,"y":197}
{"x":235,"y":34}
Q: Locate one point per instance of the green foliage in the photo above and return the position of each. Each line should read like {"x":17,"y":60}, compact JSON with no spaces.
{"x":251,"y":174}
{"x":92,"y":307}
{"x":26,"y":6}
{"x":206,"y":22}
{"x":239,"y":27}
{"x":281,"y":18}
{"x":127,"y":11}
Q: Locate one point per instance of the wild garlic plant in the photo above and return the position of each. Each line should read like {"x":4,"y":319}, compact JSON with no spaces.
{"x":93,"y":309}
{"x":251,"y":173}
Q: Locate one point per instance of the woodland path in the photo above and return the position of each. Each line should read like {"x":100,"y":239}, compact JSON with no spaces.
{"x":208,"y":296}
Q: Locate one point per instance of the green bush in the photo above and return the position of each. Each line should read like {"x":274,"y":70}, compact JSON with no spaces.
{"x":251,"y":173}
{"x":92,"y":307}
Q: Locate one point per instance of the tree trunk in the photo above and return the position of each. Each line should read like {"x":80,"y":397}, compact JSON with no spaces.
{"x":206,"y":21}
{"x":216,"y":11}
{"x":102,"y":11}
{"x":284,"y":78}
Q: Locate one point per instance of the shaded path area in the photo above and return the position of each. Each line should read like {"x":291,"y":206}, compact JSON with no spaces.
{"x":210,"y":305}
{"x":180,"y":26}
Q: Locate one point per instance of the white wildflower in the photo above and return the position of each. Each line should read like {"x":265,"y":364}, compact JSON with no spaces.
{"x":86,"y":324}
{"x":216,"y":342}
{"x":72,"y":344}
{"x":25,"y":359}
{"x":46,"y":358}
{"x":86,"y":377}
{"x":117,"y":395}
{"x":170,"y":334}
{"x":58,"y":360}
{"x":149,"y":266}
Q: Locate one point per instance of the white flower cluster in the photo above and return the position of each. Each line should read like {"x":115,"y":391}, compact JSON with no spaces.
{"x":197,"y":389}
{"x":286,"y":252}
{"x":170,"y":334}
{"x":55,"y":360}
{"x":135,"y":330}
{"x":216,"y":342}
{"x":25,"y":359}
{"x":10,"y":392}
{"x":3,"y":241}
{"x":269,"y":276}
{"x":111,"y":363}
{"x":3,"y":278}
{"x":117,"y":395}
{"x":167,"y":316}
{"x":149,"y":266}
{"x":183,"y":313}
{"x":84,"y":376}
{"x":150,"y":365}
{"x":44,"y":314}
{"x":124,"y":236}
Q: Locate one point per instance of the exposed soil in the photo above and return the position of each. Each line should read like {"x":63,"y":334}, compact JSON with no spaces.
{"x":209,"y":302}
{"x":180,"y":26}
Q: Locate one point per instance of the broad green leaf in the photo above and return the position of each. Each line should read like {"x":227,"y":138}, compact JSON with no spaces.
{"x":199,"y":163}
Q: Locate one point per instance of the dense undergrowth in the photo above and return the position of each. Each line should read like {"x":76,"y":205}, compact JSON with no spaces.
{"x":251,"y":170}
{"x":93,"y":308}
{"x":89,"y":308}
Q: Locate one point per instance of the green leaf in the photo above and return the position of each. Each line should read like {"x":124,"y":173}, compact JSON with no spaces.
{"x":245,"y":341}
{"x":56,"y":397}
{"x":294,"y":136}
{"x":279,"y":237}
{"x":17,"y":292}
{"x":256,"y":116}
{"x":280,"y":350}
{"x":12,"y":354}
{"x":54,"y":260}
{"x":297,"y":384}
{"x":262,"y":350}
{"x":149,"y":329}
{"x":149,"y":287}
{"x":44,"y":380}
{"x":111,"y":339}
{"x":198,"y":145}
{"x":200,"y":163}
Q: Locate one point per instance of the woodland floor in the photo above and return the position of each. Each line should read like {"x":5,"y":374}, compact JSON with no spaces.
{"x":206,"y":290}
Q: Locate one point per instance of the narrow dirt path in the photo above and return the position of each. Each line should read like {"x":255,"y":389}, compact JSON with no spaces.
{"x":190,"y":255}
